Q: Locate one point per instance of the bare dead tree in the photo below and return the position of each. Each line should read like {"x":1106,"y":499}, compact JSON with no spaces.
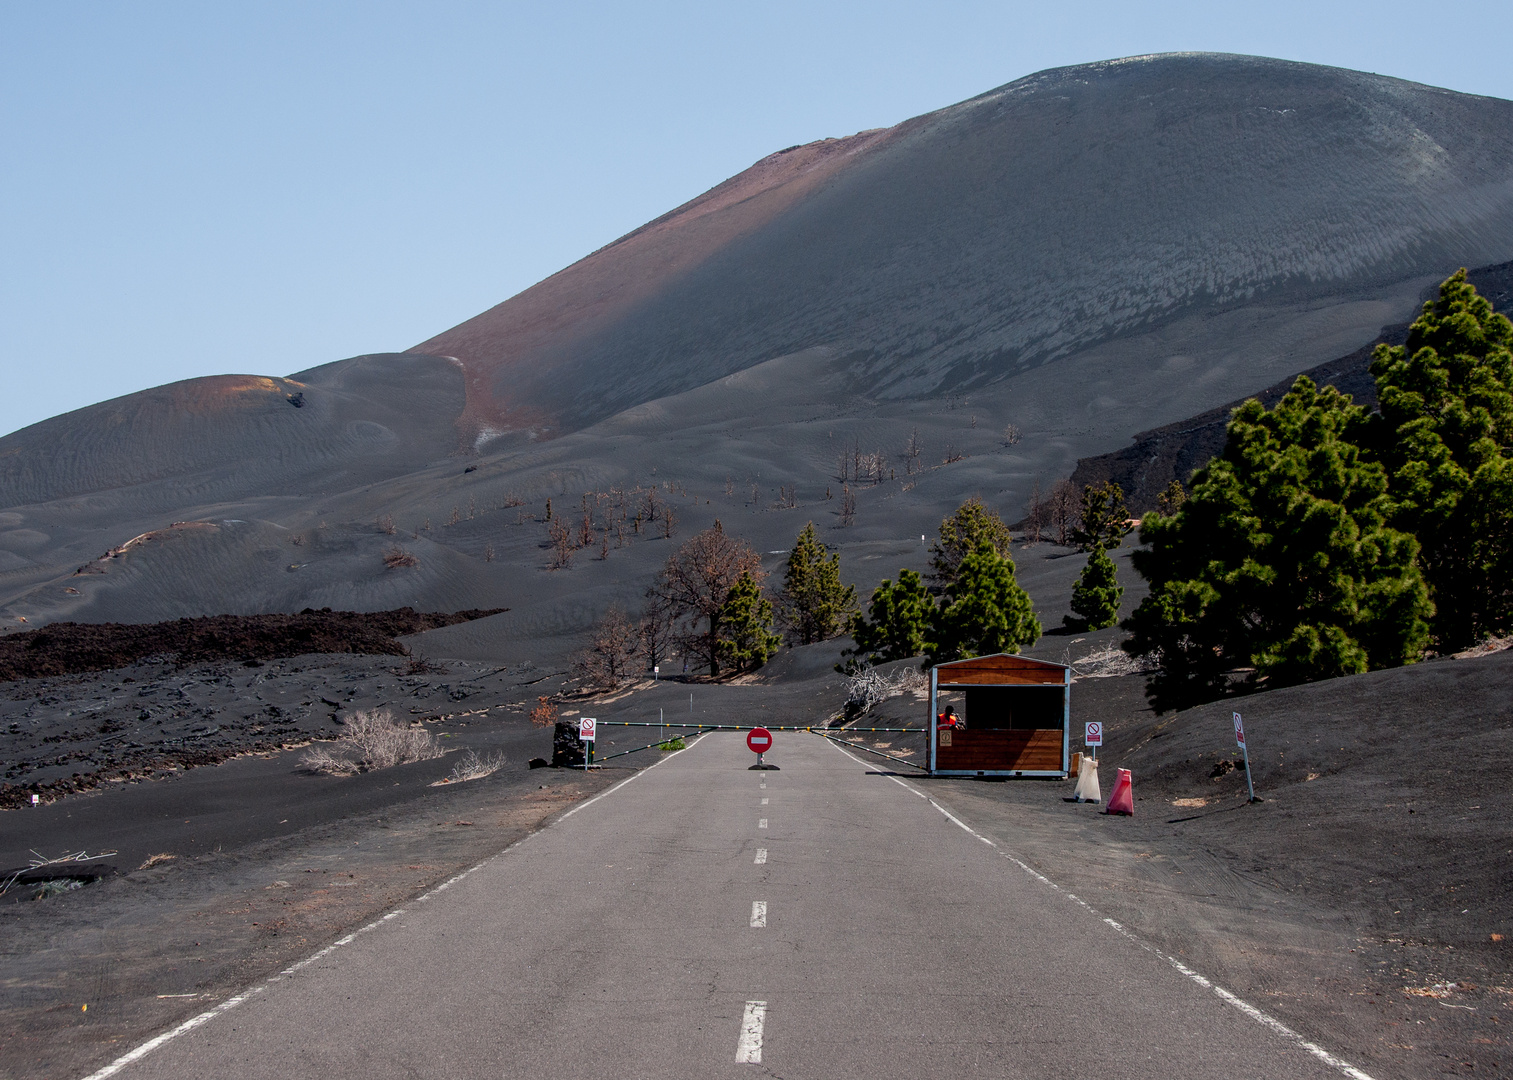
{"x":472,"y":508}
{"x":561,"y":539}
{"x":848,"y":507}
{"x":953,"y":455}
{"x":844,"y":468}
{"x":456,"y":516}
{"x":488,"y":552}
{"x":656,"y":627}
{"x":669,"y":521}
{"x":386,"y":524}
{"x":696,"y":581}
{"x":729,"y":487}
{"x":1035,"y":521}
{"x":1064,"y":507}
{"x":912,"y":449}
{"x":1012,"y":435}
{"x":788,"y":497}
{"x":610,"y":658}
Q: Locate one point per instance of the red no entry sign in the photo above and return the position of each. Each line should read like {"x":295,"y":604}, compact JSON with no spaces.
{"x":759,"y":740}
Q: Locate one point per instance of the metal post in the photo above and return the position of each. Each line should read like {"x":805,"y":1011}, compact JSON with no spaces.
{"x":1066,"y":719}
{"x":934,"y":733}
{"x":1245,"y":749}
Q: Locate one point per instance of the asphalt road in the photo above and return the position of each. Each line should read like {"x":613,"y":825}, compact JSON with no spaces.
{"x":704,"y":920}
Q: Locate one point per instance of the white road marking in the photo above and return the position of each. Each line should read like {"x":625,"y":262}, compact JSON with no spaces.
{"x":761,"y":856}
{"x":748,"y":1048}
{"x":1264,"y":1019}
{"x":759,"y":913}
{"x":764,"y":800}
{"x":193,"y":1022}
{"x":761,"y":823}
{"x":763,"y":784}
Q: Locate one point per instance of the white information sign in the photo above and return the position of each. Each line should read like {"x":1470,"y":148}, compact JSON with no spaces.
{"x":1094,"y":735}
{"x":586,"y":725}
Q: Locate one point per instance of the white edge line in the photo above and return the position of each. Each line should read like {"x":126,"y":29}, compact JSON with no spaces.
{"x":139,"y":1052}
{"x":1266,"y":1020}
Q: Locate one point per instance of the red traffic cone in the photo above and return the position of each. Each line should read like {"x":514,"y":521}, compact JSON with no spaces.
{"x":1122,"y":801}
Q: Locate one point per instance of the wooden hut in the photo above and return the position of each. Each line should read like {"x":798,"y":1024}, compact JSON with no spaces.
{"x":1015,"y":713}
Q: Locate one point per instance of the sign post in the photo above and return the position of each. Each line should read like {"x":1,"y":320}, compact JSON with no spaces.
{"x":759,"y":741}
{"x":586,"y":728}
{"x":1240,"y":739}
{"x":1093,"y":737}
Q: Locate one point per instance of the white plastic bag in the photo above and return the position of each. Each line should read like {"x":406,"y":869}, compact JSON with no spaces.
{"x":1087,"y":780}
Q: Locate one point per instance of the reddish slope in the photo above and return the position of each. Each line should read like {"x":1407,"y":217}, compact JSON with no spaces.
{"x":574,"y":304}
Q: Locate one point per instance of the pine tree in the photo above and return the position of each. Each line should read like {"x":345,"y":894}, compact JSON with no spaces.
{"x":970,"y":525}
{"x":814,"y":605}
{"x":1280,"y":559}
{"x":984,"y":610}
{"x":897,"y":623}
{"x":1446,"y":436}
{"x":746,"y":637}
{"x":1096,"y":595}
{"x":1105,"y":521}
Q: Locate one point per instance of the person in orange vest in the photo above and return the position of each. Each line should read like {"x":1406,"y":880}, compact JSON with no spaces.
{"x":948,"y":719}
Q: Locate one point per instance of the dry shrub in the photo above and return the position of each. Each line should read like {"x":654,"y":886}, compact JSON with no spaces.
{"x":870,"y":687}
{"x":473,"y":766}
{"x":544,"y":714}
{"x":395,"y":557}
{"x":372,"y":740}
{"x":1111,"y":662}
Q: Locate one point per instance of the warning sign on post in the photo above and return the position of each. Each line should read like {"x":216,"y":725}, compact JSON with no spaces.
{"x":586,"y":726}
{"x":1094,"y":734}
{"x":1240,"y":732}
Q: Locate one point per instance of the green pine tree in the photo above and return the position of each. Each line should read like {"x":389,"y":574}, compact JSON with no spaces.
{"x":1446,"y":435}
{"x":984,"y":610}
{"x":897,"y":623}
{"x":814,"y":605}
{"x":1280,"y":559}
{"x":970,"y":525}
{"x":1096,"y":595}
{"x":746,"y":637}
{"x":1105,"y":521}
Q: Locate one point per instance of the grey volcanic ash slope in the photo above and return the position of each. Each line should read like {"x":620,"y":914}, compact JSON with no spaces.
{"x":1040,"y":218}
{"x":1088,"y":253}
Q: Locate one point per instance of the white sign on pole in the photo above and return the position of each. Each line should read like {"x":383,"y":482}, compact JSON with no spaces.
{"x":1094,"y":735}
{"x":1239,"y":732}
{"x":586,"y":725}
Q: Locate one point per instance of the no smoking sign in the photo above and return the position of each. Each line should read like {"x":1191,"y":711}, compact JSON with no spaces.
{"x":1094,"y":734}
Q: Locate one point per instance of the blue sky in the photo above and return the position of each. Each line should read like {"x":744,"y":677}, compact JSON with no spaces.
{"x":196,"y":188}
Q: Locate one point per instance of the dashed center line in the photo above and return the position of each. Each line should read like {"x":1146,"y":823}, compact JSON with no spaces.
{"x":764,"y":800}
{"x":761,"y":823}
{"x":748,"y":1048}
{"x":761,"y":856}
{"x":759,"y":914}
